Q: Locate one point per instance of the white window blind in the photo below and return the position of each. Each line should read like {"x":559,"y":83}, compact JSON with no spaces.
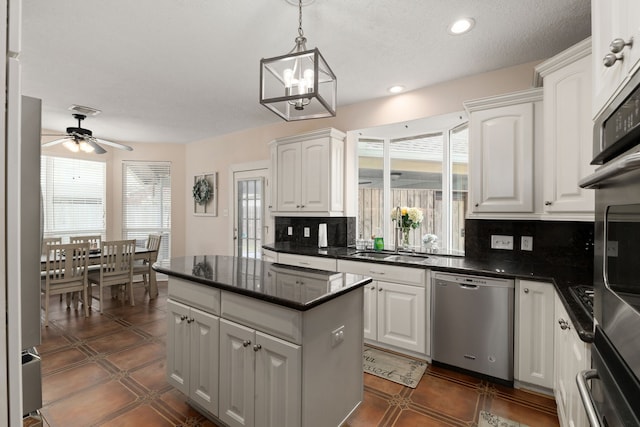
{"x":73,"y":196}
{"x":146,"y":204}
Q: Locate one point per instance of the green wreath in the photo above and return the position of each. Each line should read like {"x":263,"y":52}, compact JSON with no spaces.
{"x":202,"y":191}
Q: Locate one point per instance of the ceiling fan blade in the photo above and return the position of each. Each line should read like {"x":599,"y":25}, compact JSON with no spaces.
{"x":55,"y":141}
{"x":114,"y":144}
{"x":96,"y":148}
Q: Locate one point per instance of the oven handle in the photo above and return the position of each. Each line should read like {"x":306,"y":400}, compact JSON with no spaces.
{"x":619,"y":167}
{"x":585,"y":395}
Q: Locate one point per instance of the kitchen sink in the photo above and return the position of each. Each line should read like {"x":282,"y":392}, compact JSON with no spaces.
{"x":393,"y":257}
{"x":372,"y":254}
{"x":406,"y":258}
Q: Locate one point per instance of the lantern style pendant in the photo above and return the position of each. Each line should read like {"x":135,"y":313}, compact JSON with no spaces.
{"x":299,"y":85}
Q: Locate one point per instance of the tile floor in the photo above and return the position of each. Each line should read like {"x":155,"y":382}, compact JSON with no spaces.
{"x":109,"y":370}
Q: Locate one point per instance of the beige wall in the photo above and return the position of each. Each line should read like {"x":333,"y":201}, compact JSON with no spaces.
{"x":210,"y":235}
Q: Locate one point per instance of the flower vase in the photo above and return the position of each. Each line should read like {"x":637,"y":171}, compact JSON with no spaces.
{"x":405,"y":237}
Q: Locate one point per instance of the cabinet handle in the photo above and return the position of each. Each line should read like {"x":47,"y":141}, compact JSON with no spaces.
{"x":617,"y":45}
{"x":563,"y":324}
{"x":377,"y":272}
{"x":526,"y":290}
{"x":302,"y":206}
{"x":183,"y":318}
{"x":246,"y":343}
{"x":547,"y":203}
{"x":477,"y":204}
{"x":380,"y":290}
{"x":270,"y":206}
{"x":298,"y":206}
{"x":257,"y":347}
{"x":303,"y":263}
{"x":190,"y":320}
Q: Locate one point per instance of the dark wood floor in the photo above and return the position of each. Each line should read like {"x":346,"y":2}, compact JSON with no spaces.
{"x":109,"y":370}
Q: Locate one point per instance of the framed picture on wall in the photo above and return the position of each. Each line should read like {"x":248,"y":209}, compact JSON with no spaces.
{"x":205,"y":194}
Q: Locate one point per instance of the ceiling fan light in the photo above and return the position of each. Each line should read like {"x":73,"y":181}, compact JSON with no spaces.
{"x":86,"y":147}
{"x":71,"y":145}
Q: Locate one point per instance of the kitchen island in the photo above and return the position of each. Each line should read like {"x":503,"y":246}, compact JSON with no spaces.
{"x":253,"y":343}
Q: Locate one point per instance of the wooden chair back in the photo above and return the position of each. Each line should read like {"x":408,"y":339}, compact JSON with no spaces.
{"x":153,"y":243}
{"x":94,"y":241}
{"x":116,"y":261}
{"x":67,"y":266}
{"x":49,"y":241}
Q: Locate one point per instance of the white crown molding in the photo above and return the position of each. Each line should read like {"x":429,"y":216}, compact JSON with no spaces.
{"x":529,"y":95}
{"x":320,"y":133}
{"x":564,"y":58}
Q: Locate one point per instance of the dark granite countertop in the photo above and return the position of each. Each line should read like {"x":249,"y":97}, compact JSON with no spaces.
{"x":263,"y":280}
{"x":561,"y":276}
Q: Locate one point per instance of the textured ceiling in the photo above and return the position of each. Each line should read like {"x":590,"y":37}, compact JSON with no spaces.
{"x":184,"y":70}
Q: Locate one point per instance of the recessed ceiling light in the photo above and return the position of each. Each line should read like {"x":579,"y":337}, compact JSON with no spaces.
{"x":396,"y":89}
{"x":461,"y":26}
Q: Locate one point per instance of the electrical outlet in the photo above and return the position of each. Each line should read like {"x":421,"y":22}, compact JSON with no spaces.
{"x":307,"y":232}
{"x":289,"y":231}
{"x":337,"y":336}
{"x":612,"y":248}
{"x":526,"y":243}
{"x":502,"y":242}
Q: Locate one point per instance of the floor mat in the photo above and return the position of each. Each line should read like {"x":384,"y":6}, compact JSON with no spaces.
{"x":393,"y":367}
{"x":487,"y":419}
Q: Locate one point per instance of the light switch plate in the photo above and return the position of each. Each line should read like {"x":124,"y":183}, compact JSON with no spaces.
{"x":307,"y":232}
{"x":501,"y":242}
{"x":289,"y":231}
{"x":526,"y":243}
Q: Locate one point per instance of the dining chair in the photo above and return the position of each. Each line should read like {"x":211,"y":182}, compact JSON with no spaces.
{"x":116,"y":269}
{"x":48,"y":241}
{"x":66,"y":273}
{"x":94,"y":241}
{"x":144,"y":267}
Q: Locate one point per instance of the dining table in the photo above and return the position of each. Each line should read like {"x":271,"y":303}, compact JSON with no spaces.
{"x":143,"y":254}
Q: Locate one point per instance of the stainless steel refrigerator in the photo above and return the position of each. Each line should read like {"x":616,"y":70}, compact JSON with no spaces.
{"x":30,"y":249}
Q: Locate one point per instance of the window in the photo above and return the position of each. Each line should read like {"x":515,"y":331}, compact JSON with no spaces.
{"x":146,"y":204}
{"x":73,"y":197}
{"x":427,"y":170}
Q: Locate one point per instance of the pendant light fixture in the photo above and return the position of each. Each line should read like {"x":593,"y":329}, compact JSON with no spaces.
{"x":299,"y":85}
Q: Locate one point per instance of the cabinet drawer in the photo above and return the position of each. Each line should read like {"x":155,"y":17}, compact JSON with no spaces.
{"x":320,"y":263}
{"x":272,"y":319}
{"x":388,"y":273}
{"x":200,"y":296}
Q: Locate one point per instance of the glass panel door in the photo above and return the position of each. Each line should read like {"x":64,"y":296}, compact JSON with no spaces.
{"x":248,"y":229}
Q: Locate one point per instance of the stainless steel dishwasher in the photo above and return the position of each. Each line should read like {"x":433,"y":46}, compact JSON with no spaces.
{"x":472,"y":324}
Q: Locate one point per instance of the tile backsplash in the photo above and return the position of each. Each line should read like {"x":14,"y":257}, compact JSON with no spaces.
{"x":568,"y":243}
{"x":341,"y":231}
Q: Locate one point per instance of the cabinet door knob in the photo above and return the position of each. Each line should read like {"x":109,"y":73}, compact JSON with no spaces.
{"x":257,"y":347}
{"x":477,"y":204}
{"x":302,"y":206}
{"x":547,"y":203}
{"x":380,"y":290}
{"x":246,"y":343}
{"x":611,"y":58}
{"x":618,"y":44}
{"x":526,"y":290}
{"x":298,"y":206}
{"x":183,"y":318}
{"x":190,"y":320}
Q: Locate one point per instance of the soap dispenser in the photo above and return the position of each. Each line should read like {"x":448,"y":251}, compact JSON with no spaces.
{"x":378,"y":240}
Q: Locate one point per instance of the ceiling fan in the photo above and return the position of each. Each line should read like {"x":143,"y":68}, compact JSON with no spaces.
{"x":79,"y":138}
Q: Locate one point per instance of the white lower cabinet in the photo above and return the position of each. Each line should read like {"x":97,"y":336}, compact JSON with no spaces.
{"x":260,"y":378}
{"x":534,"y":333}
{"x":572,"y":355}
{"x":394,"y":305}
{"x":192,"y":354}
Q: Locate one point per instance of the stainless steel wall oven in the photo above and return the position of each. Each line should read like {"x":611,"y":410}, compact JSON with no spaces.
{"x":613,"y":396}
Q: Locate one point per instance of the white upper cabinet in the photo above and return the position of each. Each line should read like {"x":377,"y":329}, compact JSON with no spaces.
{"x":309,"y":170}
{"x":613,"y":62}
{"x":501,"y":152}
{"x":567,"y":146}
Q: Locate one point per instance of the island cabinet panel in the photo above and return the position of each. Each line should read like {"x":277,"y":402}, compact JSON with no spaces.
{"x":261,"y":364}
{"x":192,"y":354}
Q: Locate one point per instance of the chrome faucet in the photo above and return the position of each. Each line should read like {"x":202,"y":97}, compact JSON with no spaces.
{"x":398,"y":228}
